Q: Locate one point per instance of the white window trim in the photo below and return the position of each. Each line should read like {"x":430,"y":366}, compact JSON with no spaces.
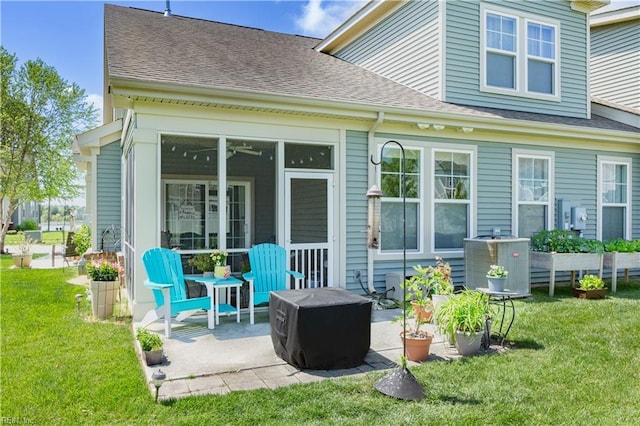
{"x":471,"y":202}
{"x":516,"y":154}
{"x":602,"y":159}
{"x":521,"y":54}
{"x":426,"y":241}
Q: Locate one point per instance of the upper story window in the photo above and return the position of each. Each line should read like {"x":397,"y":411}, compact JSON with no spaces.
{"x":614,"y":197}
{"x":519,"y":55}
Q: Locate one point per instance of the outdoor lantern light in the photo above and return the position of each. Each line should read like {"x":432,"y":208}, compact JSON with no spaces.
{"x":78,"y":300}
{"x":158,"y":378}
{"x":400,"y":383}
{"x":373,"y":218}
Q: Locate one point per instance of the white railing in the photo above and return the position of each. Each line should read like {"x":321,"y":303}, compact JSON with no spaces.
{"x":313,"y":262}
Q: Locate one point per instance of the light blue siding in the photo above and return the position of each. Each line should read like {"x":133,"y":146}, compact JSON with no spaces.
{"x":405,"y":47}
{"x":575,"y":179}
{"x":615,"y":63}
{"x":356,"y":209}
{"x":463,"y":58}
{"x":108,"y":191}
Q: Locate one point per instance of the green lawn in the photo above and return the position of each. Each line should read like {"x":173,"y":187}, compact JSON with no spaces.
{"x":48,"y":237}
{"x":574,"y":362}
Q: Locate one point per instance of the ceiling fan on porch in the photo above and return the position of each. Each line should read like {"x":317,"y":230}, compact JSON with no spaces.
{"x":233,"y":150}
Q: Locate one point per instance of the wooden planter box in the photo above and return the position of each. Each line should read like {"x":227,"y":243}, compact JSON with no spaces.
{"x":617,"y":261}
{"x":598,"y":293}
{"x":553,"y":262}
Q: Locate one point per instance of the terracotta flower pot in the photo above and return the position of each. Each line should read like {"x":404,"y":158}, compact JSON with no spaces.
{"x":417,"y":348}
{"x":598,"y":293}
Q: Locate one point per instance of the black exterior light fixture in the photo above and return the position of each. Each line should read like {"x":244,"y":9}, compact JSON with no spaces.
{"x":400,"y":383}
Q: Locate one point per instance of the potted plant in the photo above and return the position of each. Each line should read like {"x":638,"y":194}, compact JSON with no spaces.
{"x":621,"y":254}
{"x":590,"y":287}
{"x":418,"y":291}
{"x":496,"y":277}
{"x":219,"y":258}
{"x":104,"y":286}
{"x":440,"y":281}
{"x":23,"y":258}
{"x":151,"y":345}
{"x":417,"y":308}
{"x":559,"y":250}
{"x":204,"y":263}
{"x":463,"y":318}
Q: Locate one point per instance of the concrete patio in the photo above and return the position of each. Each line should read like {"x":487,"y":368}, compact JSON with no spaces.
{"x":236,"y":356}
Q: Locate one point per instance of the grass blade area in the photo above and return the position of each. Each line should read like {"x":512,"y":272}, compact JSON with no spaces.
{"x":572,"y":362}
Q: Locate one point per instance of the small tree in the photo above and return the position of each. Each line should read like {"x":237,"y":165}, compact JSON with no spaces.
{"x":40,"y":112}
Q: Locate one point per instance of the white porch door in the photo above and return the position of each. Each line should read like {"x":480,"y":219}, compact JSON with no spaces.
{"x":308,"y":226}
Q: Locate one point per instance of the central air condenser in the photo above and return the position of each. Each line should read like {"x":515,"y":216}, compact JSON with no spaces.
{"x":512,"y":253}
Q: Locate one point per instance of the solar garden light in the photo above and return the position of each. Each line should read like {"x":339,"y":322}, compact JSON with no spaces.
{"x":78,"y":300}
{"x":400,"y":383}
{"x":158,"y":378}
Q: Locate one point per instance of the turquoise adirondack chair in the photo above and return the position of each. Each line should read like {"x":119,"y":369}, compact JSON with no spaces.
{"x":166,"y":280}
{"x":268,"y":273}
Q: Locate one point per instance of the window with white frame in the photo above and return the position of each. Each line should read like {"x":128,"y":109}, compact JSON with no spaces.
{"x":614,"y":189}
{"x":391,"y":201}
{"x":533,"y":186}
{"x":452,"y":184}
{"x":519,"y":54}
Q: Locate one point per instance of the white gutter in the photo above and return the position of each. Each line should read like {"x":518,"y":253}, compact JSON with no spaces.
{"x":372,"y":178}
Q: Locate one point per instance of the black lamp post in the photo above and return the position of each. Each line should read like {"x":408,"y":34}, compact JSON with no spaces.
{"x":400,"y":383}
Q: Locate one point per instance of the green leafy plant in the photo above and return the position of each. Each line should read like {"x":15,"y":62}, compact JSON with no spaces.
{"x":82,"y":239}
{"x":203,"y":262}
{"x":561,"y":241}
{"x":102,"y":270}
{"x":148,"y":341}
{"x":497,"y":271}
{"x":438,"y":276}
{"x":29,"y":225}
{"x":417,"y":301}
{"x":590,"y":282}
{"x":466,"y":311}
{"x":622,"y":246}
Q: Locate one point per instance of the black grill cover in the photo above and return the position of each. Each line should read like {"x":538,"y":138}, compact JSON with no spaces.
{"x":320,"y":328}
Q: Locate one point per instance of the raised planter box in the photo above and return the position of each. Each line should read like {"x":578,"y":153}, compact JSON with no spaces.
{"x":598,"y":293}
{"x":616,"y":261}
{"x":553,"y":262}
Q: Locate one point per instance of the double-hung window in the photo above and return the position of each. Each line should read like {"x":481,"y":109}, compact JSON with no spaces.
{"x":614,"y":189}
{"x":533,"y":186}
{"x":519,"y":54}
{"x":392,"y":198}
{"x":452,"y":187}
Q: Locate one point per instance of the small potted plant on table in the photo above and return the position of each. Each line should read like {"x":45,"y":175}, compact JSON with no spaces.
{"x":204,"y":263}
{"x":590,"y":287}
{"x":151,"y":345}
{"x":496,"y":277}
{"x":221,"y":270}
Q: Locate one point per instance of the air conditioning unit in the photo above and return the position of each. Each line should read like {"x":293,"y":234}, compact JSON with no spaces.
{"x":512,"y":253}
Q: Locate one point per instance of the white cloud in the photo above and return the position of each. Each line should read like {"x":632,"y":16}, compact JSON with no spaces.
{"x":320,"y":17}
{"x":96,"y":101}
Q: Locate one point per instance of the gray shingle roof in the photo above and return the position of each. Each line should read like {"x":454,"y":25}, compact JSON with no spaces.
{"x":146,"y":46}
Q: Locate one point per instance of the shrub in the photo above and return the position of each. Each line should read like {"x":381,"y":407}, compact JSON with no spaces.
{"x":148,"y":341}
{"x":29,"y":225}
{"x":82,"y":239}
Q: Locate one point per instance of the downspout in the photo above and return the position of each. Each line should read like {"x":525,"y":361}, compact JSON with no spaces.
{"x":372,"y":178}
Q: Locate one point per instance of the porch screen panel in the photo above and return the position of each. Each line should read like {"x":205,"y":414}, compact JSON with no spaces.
{"x":309,"y":219}
{"x":185,"y":214}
